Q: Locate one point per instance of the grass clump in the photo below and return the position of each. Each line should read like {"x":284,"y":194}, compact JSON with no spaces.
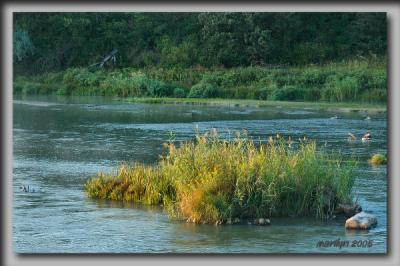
{"x":377,"y":159}
{"x":211,"y":180}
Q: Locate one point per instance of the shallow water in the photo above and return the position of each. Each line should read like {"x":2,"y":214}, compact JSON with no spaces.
{"x":59,"y":143}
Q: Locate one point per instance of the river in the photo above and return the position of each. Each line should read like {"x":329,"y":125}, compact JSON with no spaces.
{"x":59,"y":143}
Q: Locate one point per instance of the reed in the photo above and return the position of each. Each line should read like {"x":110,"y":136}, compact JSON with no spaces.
{"x":212,"y":180}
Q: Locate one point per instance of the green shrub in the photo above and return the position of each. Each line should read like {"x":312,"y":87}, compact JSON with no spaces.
{"x":179,"y":93}
{"x":288,"y":93}
{"x":157,"y":88}
{"x":312,"y":77}
{"x":374,"y":96}
{"x":18,"y":86}
{"x":203,"y":90}
{"x":262,"y":93}
{"x":62,"y":90}
{"x":30,"y":88}
{"x":214,"y":78}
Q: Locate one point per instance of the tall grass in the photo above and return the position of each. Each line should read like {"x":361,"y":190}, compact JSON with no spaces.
{"x":210,"y":179}
{"x":350,"y":81}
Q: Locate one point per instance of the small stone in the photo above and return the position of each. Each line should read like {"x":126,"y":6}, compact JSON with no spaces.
{"x":362,"y":221}
{"x":261,"y":221}
{"x":229,"y":221}
{"x":236,"y":220}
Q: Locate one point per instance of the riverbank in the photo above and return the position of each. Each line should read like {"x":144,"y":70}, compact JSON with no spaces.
{"x":353,"y":81}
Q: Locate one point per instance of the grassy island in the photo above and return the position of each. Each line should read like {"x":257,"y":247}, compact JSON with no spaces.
{"x":210,"y":180}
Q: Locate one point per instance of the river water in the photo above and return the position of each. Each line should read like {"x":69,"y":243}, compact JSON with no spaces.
{"x":58,"y":143}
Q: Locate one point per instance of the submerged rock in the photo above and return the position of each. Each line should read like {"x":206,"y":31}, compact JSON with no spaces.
{"x":261,"y":221}
{"x":347,"y":210}
{"x":361,"y":220}
{"x":232,"y":221}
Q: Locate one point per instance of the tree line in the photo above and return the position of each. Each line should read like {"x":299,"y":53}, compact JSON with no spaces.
{"x":46,"y":42}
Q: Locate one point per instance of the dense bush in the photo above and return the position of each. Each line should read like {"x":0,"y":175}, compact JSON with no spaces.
{"x":289,"y":93}
{"x":358,"y":81}
{"x":203,"y":90}
{"x":179,"y":93}
{"x":157,"y":88}
{"x":262,"y":94}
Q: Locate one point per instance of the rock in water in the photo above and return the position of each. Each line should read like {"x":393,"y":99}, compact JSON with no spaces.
{"x":232,"y":221}
{"x":261,"y":221}
{"x":347,"y":210}
{"x":361,"y":220}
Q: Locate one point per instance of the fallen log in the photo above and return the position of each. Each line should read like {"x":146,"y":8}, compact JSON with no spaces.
{"x":106,"y":58}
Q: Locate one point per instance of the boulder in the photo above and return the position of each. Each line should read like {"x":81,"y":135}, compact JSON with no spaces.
{"x":362,"y":221}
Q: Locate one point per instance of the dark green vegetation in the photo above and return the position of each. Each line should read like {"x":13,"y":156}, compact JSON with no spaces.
{"x":46,"y":42}
{"x":353,"y":81}
{"x":211,"y":180}
{"x":335,"y":57}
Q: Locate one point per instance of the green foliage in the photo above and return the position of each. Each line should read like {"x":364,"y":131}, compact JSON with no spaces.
{"x":157,"y":88}
{"x":352,"y":81}
{"x":262,"y":93}
{"x":179,"y":93}
{"x":22,"y":45}
{"x":56,"y":41}
{"x":288,"y":92}
{"x":203,"y":90}
{"x":210,"y":180}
